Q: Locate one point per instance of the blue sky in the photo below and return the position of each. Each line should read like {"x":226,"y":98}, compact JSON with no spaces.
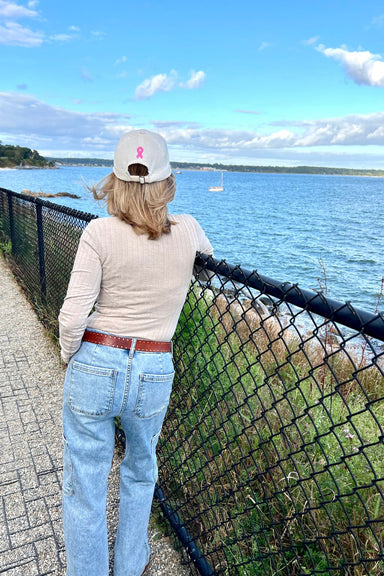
{"x":276,"y":83}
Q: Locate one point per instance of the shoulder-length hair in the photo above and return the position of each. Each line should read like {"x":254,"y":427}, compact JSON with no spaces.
{"x":143,"y":206}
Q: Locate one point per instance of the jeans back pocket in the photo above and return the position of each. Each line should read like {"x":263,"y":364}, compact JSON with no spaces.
{"x":91,"y":389}
{"x":154,"y":393}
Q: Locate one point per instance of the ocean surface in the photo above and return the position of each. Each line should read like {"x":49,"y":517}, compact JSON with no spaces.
{"x":288,"y":227}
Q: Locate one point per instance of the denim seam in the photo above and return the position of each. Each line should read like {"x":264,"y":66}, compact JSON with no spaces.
{"x":67,"y":464}
{"x":154,"y":439}
{"x":96,"y":370}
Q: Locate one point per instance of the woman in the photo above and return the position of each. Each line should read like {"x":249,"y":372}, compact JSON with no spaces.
{"x":134,"y":268}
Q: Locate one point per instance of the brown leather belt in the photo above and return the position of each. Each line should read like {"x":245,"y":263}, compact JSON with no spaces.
{"x":126,"y":343}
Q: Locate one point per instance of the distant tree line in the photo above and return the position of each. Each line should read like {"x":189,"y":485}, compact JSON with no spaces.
{"x":81,"y":162}
{"x":231,"y":167}
{"x":278,"y":169}
{"x":13,"y":156}
{"x":20,"y":156}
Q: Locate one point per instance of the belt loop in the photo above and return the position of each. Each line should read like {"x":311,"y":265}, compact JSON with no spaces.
{"x":132,"y":348}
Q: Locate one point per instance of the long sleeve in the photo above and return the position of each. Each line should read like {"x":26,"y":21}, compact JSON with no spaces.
{"x":137,"y":286}
{"x":204,"y":244}
{"x":83,"y":290}
{"x":205,"y":247}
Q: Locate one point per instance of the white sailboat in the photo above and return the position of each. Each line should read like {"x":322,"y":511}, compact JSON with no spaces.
{"x":217,"y":188}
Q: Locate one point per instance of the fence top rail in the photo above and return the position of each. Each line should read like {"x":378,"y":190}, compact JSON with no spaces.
{"x":38,"y":201}
{"x":342,"y":313}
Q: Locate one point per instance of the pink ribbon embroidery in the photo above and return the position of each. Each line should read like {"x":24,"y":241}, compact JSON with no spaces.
{"x":140,"y":151}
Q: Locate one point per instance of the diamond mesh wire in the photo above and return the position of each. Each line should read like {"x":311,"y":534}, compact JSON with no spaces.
{"x":271,"y":459}
{"x":25,"y":247}
{"x":5,"y":232}
{"x":272,"y":451}
{"x":44,"y":238}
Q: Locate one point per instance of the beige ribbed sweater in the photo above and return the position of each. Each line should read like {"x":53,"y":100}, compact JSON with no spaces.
{"x":138,"y":286}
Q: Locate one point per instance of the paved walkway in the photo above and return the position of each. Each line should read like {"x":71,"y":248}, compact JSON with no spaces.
{"x":31,"y":377}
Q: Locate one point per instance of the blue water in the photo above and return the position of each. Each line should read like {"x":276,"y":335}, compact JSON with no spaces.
{"x":280,"y":224}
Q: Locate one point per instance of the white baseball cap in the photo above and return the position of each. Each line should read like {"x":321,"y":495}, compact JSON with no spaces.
{"x":142,"y":147}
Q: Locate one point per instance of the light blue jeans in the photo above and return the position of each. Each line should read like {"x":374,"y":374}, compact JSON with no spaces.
{"x":102,"y":383}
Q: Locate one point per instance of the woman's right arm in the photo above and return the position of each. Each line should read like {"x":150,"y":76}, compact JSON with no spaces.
{"x":82,"y":293}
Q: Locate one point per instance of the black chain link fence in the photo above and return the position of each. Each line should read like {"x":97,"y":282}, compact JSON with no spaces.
{"x":272,"y":454}
{"x":271,"y":460}
{"x":41,"y":239}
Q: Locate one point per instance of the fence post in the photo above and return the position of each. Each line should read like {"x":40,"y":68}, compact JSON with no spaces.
{"x":40,"y":237}
{"x":11,"y":226}
{"x":183,"y":535}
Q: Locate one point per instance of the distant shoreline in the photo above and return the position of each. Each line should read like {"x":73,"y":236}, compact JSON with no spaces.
{"x":28,"y":167}
{"x":180,"y":166}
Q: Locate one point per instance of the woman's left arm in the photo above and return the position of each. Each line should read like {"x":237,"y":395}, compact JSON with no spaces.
{"x":205,"y":247}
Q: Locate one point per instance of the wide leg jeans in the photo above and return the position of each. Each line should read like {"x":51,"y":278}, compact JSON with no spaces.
{"x":102,"y":383}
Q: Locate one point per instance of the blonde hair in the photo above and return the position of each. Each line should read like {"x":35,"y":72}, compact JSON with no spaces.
{"x":143,"y":206}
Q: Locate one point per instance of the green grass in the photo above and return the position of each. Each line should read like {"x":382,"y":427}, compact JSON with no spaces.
{"x":6,"y":248}
{"x":276,"y":442}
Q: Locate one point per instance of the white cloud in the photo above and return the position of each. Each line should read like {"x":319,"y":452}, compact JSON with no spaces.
{"x":311,"y":41}
{"x":158,"y":83}
{"x":164,"y":124}
{"x":121,"y":60}
{"x":86,"y":76}
{"x":378,"y":21}
{"x":353,"y":130}
{"x":25,"y":120}
{"x":11,"y":32}
{"x":195,"y":81}
{"x":64,"y":37}
{"x":263,"y":46}
{"x":167,"y":82}
{"x":363,"y":67}
{"x":230,"y":141}
{"x":14,"y":34}
{"x":377,"y":134}
{"x":11,"y":10}
{"x":97,"y":34}
{"x":61,"y":37}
